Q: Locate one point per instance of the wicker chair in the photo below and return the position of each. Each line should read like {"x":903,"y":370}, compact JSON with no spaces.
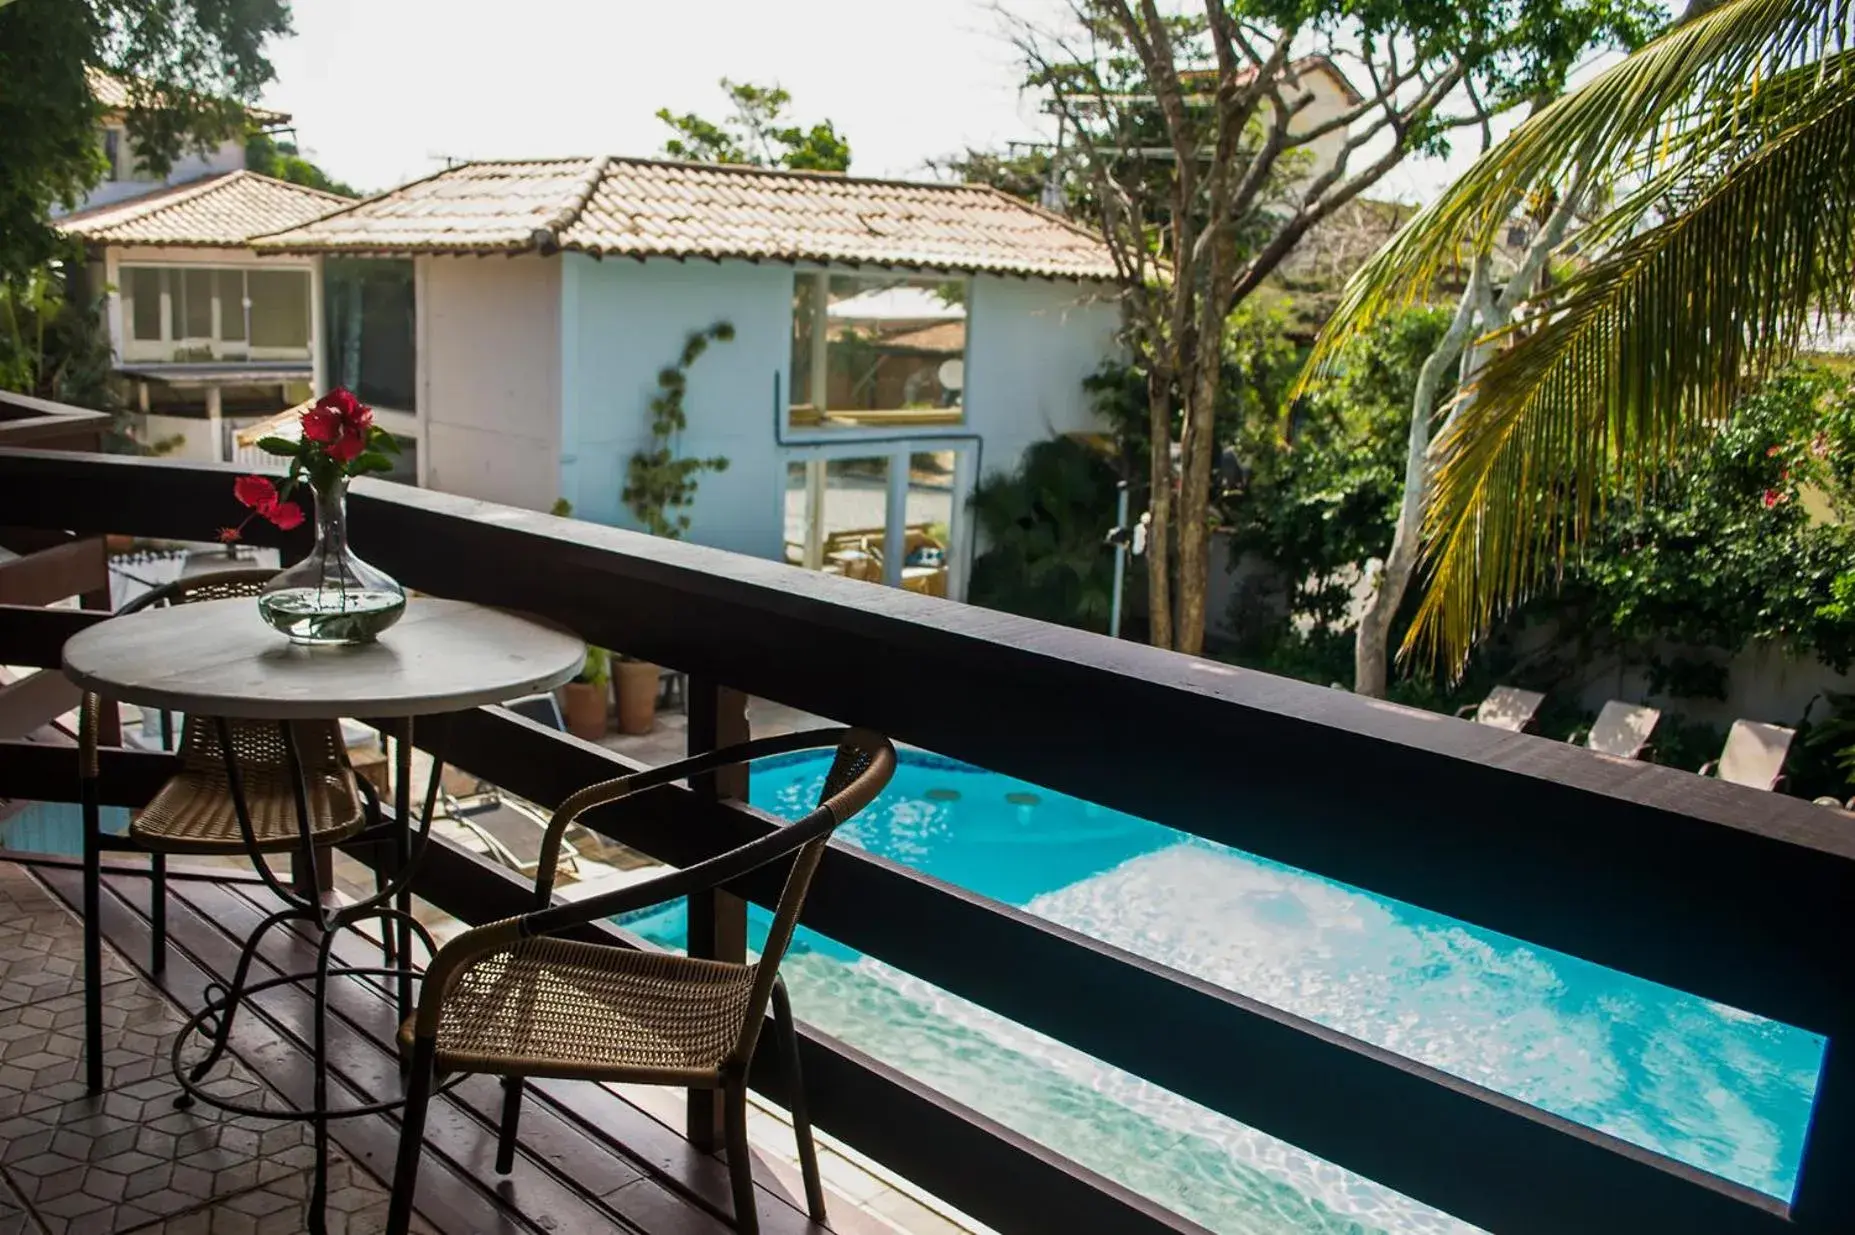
{"x":193,"y":812}
{"x":509,"y":1000}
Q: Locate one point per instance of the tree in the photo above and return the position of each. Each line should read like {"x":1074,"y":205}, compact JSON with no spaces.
{"x":1189,"y":133}
{"x":756,"y":135}
{"x":1728,"y":143}
{"x":1023,"y":173}
{"x":268,"y":156}
{"x":188,"y":67}
{"x":1481,"y":310}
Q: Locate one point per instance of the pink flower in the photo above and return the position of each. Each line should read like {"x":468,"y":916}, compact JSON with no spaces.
{"x":1819,"y":445}
{"x":322,"y":424}
{"x":257,"y":492}
{"x":1772,"y":498}
{"x":285,"y":515}
{"x":1771,"y":453}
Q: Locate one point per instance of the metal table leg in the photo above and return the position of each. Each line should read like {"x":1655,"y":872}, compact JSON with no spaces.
{"x":391,"y":905}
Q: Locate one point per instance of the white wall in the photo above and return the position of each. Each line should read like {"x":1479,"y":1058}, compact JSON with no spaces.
{"x":1029,"y":344}
{"x":490,"y":343}
{"x":623,"y":322}
{"x":228,"y":157}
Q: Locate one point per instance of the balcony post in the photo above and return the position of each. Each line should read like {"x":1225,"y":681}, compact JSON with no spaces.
{"x":1825,"y":1196}
{"x":717,"y":920}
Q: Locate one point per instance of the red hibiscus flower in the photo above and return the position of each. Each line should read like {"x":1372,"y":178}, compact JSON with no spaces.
{"x":322,"y":424}
{"x":343,"y":403}
{"x":256,"y":492}
{"x":1772,"y":498}
{"x":345,"y":448}
{"x":285,"y":515}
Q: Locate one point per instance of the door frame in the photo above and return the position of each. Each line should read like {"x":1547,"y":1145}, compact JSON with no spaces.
{"x":897,"y":453}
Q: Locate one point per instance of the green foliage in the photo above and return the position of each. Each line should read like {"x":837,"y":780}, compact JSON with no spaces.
{"x":1024,"y":174}
{"x":597,"y":670}
{"x":53,"y":346}
{"x":188,"y":65}
{"x":1323,"y":498}
{"x":1045,"y":528}
{"x":756,"y":135}
{"x":1748,"y":544}
{"x":281,"y":160}
{"x":657,"y":482}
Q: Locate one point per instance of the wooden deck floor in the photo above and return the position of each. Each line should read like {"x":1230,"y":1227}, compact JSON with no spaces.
{"x":127,"y":1161}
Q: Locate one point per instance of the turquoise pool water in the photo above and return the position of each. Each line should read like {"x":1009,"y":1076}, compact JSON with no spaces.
{"x":1712,"y":1086}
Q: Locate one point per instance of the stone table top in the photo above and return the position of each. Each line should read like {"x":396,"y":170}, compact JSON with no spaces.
{"x":220,"y":658}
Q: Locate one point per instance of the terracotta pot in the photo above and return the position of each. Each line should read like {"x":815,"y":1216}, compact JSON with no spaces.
{"x":635,"y":684}
{"x":584,"y":705}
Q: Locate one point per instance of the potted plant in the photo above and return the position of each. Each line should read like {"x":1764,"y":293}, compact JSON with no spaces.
{"x":635,"y":685}
{"x":584,"y":698}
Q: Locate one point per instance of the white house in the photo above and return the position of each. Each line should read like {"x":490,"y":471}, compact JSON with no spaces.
{"x":124,"y":177}
{"x":202,"y":326}
{"x":891,"y":339}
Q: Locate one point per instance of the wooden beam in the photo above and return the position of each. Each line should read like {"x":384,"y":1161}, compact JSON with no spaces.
{"x":55,"y":574}
{"x":717,"y":919}
{"x":1509,"y":1167}
{"x":33,"y":636}
{"x":34,"y":701}
{"x":44,"y":772}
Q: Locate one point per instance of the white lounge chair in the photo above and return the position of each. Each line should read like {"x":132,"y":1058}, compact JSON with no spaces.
{"x":1507,"y":707}
{"x":1754,"y":755}
{"x":1622,"y":729}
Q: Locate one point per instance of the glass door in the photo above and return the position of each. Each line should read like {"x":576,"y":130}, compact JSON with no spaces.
{"x":891,"y":518}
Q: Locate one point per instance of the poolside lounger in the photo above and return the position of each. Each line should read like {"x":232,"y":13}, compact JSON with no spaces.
{"x":1754,"y":755}
{"x":1622,"y":729}
{"x":1507,"y":707}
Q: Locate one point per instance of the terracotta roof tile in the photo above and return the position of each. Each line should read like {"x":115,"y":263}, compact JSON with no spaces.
{"x":643,"y":208}
{"x":222,"y":210}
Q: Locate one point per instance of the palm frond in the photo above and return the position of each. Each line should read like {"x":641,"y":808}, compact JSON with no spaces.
{"x":1628,"y":362}
{"x":1680,"y":102}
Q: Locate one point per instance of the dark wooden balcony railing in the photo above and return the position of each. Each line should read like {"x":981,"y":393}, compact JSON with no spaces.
{"x":1741,"y":897}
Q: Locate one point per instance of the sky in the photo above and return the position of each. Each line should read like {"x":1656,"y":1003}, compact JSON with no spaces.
{"x":383,"y":91}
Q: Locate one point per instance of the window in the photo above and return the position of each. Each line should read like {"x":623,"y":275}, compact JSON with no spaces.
{"x":112,"y":152}
{"x":369,"y":307}
{"x":279,"y":302}
{"x":143,"y":288}
{"x":182,"y":313}
{"x":873,"y":351}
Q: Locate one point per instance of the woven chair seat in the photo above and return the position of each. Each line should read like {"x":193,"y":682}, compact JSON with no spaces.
{"x":561,"y":1008}
{"x":193,"y":812}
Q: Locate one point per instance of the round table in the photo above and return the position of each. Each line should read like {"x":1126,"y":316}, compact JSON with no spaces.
{"x":219,"y":659}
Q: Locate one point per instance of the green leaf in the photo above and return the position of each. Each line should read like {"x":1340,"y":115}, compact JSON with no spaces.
{"x":380,"y":439}
{"x":283,"y":447}
{"x":370,"y":462}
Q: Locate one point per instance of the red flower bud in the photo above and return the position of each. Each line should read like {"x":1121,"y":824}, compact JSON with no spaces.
{"x":228,"y":535}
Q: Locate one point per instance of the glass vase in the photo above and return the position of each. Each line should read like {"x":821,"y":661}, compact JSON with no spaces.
{"x":332,"y":597}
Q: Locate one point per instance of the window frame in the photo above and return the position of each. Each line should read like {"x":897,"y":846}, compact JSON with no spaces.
{"x":173,"y":277}
{"x":881,"y":423}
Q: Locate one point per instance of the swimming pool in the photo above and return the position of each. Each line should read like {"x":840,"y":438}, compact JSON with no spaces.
{"x":1700,"y":1082}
